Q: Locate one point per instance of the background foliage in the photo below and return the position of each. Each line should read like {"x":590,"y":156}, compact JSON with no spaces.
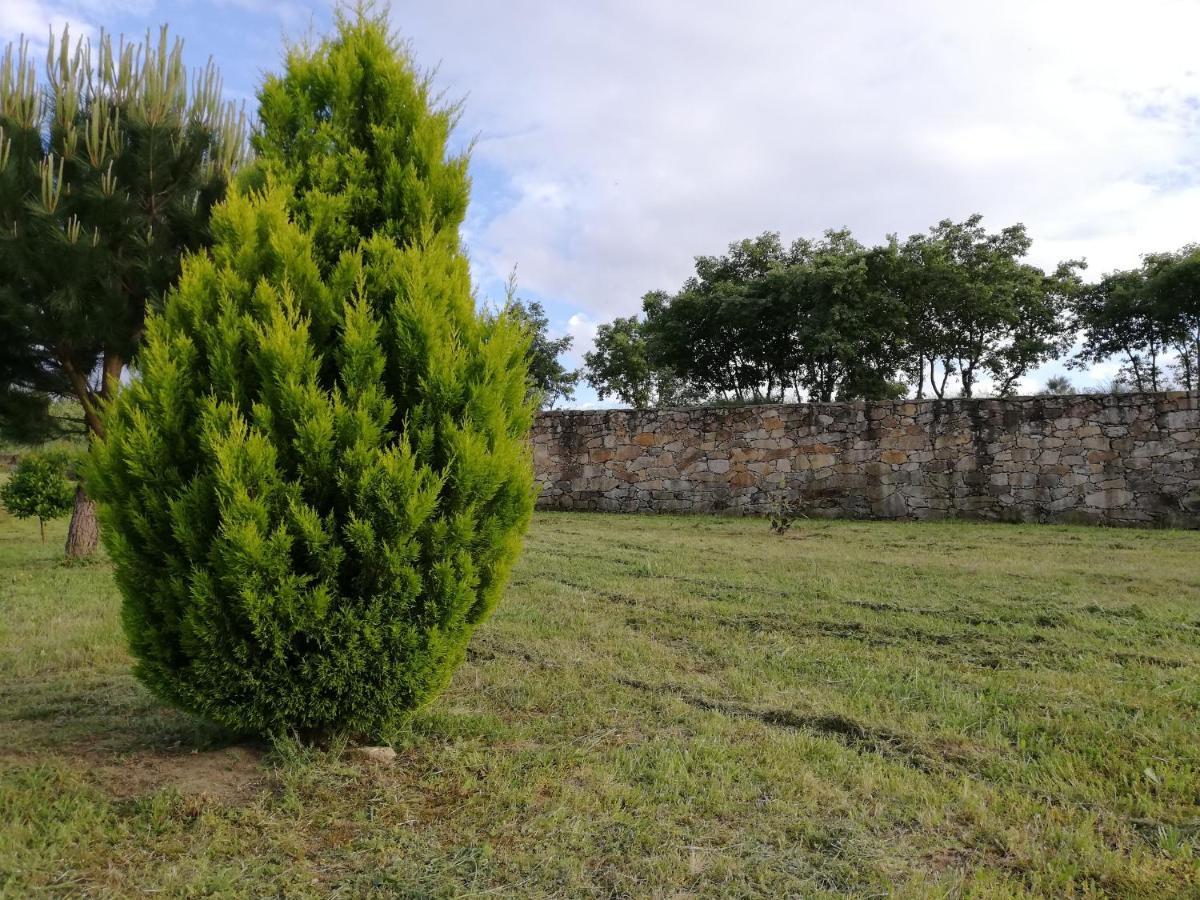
{"x":109,"y":168}
{"x":39,"y":488}
{"x":836,"y":320}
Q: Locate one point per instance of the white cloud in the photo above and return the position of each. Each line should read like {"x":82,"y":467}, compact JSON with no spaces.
{"x":636,"y":135}
{"x":617,"y":140}
{"x":582,"y":330}
{"x":34,"y":19}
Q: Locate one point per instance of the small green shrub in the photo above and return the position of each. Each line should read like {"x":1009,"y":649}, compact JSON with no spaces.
{"x":782,"y":514}
{"x":317,"y":486}
{"x":40,"y":487}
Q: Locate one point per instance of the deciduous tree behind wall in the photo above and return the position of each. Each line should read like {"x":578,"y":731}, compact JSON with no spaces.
{"x":976,"y":308}
{"x":1144,"y":317}
{"x":109,"y":168}
{"x":834,"y":319}
{"x":549,"y":380}
{"x":619,"y":366}
{"x":1173,"y":282}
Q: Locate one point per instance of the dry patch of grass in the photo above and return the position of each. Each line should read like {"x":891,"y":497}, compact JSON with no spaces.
{"x":662,"y":707}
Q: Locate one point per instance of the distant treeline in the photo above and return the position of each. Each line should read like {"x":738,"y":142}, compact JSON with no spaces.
{"x":937,"y":313}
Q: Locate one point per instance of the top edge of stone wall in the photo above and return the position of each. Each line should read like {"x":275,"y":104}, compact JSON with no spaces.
{"x":1132,"y":399}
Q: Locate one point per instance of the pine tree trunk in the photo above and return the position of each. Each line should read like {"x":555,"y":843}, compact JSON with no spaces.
{"x":84,"y":533}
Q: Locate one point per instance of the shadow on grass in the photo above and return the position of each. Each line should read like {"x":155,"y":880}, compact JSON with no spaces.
{"x":100,"y":712}
{"x":851,"y":734}
{"x":110,"y":730}
{"x":116,"y":736}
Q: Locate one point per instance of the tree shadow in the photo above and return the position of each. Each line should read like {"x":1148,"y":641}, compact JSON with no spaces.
{"x":100,"y":713}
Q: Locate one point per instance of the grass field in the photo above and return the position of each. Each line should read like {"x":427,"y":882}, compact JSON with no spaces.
{"x":662,"y":707}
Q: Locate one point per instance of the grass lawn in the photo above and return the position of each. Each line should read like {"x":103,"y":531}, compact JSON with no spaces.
{"x":662,"y":707}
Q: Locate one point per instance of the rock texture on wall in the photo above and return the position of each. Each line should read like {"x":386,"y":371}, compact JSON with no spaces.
{"x":1121,"y":459}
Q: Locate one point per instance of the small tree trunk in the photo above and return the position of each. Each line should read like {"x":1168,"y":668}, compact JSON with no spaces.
{"x":42,"y":527}
{"x":84,"y":533}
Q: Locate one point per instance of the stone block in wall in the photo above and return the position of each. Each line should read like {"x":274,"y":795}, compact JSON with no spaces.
{"x":1109,"y":498}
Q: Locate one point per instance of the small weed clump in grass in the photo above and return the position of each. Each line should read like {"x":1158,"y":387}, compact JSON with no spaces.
{"x":782,"y":514}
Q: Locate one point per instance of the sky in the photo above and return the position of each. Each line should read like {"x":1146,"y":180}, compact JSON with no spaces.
{"x":616,"y":140}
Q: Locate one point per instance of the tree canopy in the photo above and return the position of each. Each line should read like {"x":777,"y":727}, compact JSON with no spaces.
{"x":975,"y":308}
{"x":835,"y":319}
{"x":1144,"y":317}
{"x":619,"y":366}
{"x":39,"y":488}
{"x":109,"y":168}
{"x":549,"y":380}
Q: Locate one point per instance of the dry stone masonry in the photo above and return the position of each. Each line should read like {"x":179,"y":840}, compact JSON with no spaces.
{"x":1121,"y":459}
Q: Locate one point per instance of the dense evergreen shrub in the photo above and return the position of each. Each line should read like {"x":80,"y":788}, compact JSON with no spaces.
{"x":317,"y":485}
{"x":355,"y":134}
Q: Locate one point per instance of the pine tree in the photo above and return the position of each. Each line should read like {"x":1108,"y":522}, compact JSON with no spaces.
{"x":316,"y":488}
{"x":108,"y":172}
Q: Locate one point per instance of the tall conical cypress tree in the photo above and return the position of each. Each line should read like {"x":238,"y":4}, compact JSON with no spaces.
{"x":316,"y":487}
{"x":355,"y":134}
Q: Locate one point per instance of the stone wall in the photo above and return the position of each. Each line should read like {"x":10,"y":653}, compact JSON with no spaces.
{"x":1121,"y":459}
